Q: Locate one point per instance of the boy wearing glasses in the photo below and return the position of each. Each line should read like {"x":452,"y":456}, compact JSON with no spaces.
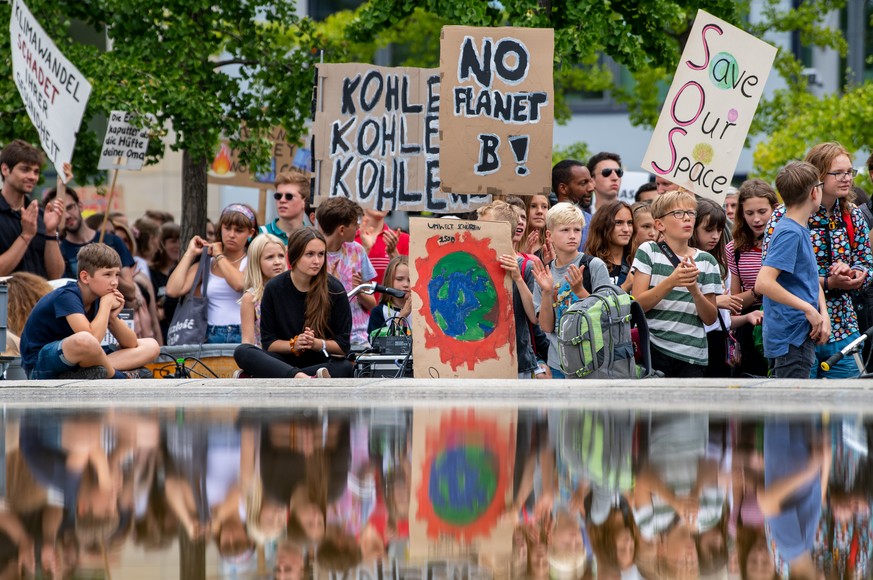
{"x":676,"y":285}
{"x":795,"y":311}
{"x":605,"y":169}
{"x":292,"y":191}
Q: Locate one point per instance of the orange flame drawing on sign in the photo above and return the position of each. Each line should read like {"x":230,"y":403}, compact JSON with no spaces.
{"x":221,"y":163}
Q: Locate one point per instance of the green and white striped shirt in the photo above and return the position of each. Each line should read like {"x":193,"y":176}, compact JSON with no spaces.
{"x":675,"y":327}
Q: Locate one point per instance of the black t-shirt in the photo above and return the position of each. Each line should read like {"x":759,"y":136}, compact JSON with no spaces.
{"x":10,"y":228}
{"x":159,"y":282}
{"x":283,"y":308}
{"x":70,"y":251}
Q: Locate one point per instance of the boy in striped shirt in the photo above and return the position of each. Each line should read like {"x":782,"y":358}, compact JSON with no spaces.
{"x":676,"y":285}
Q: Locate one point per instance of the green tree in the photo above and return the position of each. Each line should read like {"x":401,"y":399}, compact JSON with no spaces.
{"x":172,"y":59}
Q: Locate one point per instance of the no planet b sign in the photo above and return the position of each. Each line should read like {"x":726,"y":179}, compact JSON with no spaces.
{"x":709,"y":109}
{"x":54,"y":92}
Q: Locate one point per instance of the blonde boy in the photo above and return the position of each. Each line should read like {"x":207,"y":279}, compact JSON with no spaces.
{"x":570,"y":277}
{"x":676,"y":285}
{"x":62,"y":337}
{"x":522,"y":299}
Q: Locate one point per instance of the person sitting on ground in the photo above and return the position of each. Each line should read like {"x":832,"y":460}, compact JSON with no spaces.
{"x":305,"y":318}
{"x":337,"y":219}
{"x":63,"y":336}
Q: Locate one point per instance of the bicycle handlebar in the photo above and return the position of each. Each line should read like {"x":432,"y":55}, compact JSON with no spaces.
{"x":849,"y":349}
{"x":371,"y":287}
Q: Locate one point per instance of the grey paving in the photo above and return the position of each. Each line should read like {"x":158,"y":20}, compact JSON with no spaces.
{"x":846,"y":396}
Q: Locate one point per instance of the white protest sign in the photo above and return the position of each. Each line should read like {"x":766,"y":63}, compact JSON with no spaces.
{"x":706,"y":117}
{"x":630,"y":183}
{"x":124,"y":145}
{"x":53,"y":90}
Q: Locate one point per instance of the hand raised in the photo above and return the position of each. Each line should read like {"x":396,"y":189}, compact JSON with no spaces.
{"x":510,"y":265}
{"x":543,"y":276}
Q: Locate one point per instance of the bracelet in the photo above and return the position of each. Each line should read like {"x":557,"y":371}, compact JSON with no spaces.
{"x":825,"y":284}
{"x":53,"y":238}
{"x":292,"y":342}
{"x":24,"y":239}
{"x":217,"y":257}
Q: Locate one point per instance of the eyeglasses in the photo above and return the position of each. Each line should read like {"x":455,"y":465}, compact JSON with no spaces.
{"x":288,"y":196}
{"x":681,"y":214}
{"x":820,"y":185}
{"x":608,"y":171}
{"x":839,"y":175}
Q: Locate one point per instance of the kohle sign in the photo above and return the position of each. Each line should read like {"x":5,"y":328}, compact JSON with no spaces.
{"x":709,"y":109}
{"x":54,"y":92}
{"x":497,"y":109}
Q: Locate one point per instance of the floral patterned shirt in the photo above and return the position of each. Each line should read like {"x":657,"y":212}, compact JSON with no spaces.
{"x":343,"y":265}
{"x":831,"y":244}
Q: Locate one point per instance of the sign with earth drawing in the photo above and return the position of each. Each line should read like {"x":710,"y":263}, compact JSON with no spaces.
{"x":709,"y":109}
{"x":462,"y":323}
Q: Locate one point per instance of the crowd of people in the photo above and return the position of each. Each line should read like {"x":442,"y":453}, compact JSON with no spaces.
{"x":728,"y":289}
{"x":589,"y":494}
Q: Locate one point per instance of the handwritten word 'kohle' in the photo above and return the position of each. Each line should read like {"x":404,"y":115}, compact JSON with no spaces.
{"x":724,"y":74}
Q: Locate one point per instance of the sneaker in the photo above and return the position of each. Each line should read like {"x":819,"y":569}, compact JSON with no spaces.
{"x":140,"y":373}
{"x":241,"y":374}
{"x":322,"y":373}
{"x":84,"y":374}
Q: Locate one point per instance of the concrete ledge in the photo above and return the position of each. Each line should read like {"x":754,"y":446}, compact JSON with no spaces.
{"x":713,"y":395}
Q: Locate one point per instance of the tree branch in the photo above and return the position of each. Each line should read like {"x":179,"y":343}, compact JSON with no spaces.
{"x":230,"y":61}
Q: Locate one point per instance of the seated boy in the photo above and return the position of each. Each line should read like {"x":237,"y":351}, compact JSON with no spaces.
{"x":571,"y":276}
{"x":795,"y":311}
{"x":62,"y":337}
{"x":338,"y":218}
{"x":676,"y":285}
{"x":522,"y":298}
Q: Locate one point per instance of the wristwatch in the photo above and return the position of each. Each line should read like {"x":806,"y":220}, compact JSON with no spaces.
{"x":324,"y":348}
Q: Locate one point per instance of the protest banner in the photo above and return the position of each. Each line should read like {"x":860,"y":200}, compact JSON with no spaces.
{"x":124,"y":145}
{"x":497,"y":95}
{"x":377,"y":139}
{"x":227,"y":169}
{"x":54,"y":92}
{"x":462,"y":480}
{"x":462,"y":323}
{"x":709,"y":108}
{"x":630,"y":183}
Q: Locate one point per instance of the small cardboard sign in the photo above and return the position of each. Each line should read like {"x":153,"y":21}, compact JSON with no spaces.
{"x":462,"y":316}
{"x":709,"y":109}
{"x":54,"y":92}
{"x":497,"y":109}
{"x":124,"y":145}
{"x":377,"y":139}
{"x":227,"y":169}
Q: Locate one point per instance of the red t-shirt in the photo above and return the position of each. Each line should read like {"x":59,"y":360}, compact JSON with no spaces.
{"x":379,"y":254}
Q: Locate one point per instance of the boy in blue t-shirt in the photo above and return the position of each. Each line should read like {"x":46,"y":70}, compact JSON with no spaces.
{"x":795,"y":312}
{"x":63,"y":335}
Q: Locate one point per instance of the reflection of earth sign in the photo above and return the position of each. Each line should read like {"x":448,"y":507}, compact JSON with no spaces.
{"x":463,"y":481}
{"x":463,"y":299}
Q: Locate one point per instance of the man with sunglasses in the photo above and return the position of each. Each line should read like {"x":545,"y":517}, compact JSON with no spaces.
{"x":292,"y":191}
{"x":606,"y":171}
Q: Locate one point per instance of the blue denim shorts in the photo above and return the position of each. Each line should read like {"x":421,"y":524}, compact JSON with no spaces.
{"x":50,"y":361}
{"x":228,"y":334}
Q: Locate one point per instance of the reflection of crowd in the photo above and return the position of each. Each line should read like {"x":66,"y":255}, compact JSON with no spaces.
{"x":595,"y":494}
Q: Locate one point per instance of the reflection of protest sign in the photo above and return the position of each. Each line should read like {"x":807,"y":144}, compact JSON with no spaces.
{"x":462,"y":323}
{"x":462,"y":471}
{"x":377,"y":138}
{"x":706,"y":117}
{"x":227,"y":169}
{"x":497,"y":97}
{"x":53,"y":91}
{"x":124,"y":146}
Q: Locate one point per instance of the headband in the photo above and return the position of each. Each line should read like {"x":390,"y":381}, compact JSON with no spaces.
{"x":239,"y":208}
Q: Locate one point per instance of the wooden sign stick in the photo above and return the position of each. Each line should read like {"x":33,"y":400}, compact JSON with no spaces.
{"x":109,"y":202}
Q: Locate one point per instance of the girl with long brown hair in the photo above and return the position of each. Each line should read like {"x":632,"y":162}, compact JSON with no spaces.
{"x":610,"y":238}
{"x":305,"y":318}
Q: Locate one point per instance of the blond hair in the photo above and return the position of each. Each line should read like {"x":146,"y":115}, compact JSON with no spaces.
{"x":498,"y":211}
{"x":564,"y":214}
{"x":671,"y":200}
{"x":253,"y":277}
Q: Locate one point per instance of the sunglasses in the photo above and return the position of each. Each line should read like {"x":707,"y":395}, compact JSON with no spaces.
{"x":288,"y":196}
{"x":608,"y":171}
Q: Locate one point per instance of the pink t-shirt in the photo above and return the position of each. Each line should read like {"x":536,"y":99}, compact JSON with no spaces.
{"x":343,"y":265}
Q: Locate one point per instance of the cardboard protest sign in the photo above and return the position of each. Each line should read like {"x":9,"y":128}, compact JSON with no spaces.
{"x":709,"y":108}
{"x":54,"y":92}
{"x":227,"y":169}
{"x":462,"y":323}
{"x":497,"y":96}
{"x":377,"y":138}
{"x":124,"y":145}
{"x":462,"y":474}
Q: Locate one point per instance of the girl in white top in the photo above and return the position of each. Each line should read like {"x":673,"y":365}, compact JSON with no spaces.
{"x":228,"y":261}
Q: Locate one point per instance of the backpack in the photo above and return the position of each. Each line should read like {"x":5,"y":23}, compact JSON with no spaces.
{"x":594,"y":337}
